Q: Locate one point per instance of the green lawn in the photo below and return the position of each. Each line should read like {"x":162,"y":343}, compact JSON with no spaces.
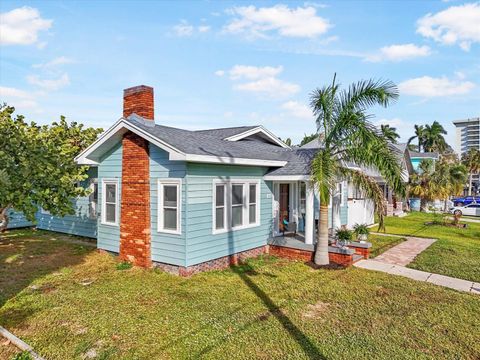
{"x":71,"y":302}
{"x":456,"y":252}
{"x":381,"y":243}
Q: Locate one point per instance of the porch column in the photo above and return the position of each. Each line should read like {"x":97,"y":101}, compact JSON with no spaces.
{"x":309,"y":213}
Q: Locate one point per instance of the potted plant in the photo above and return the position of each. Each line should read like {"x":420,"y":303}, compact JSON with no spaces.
{"x":361,"y":231}
{"x":344,"y":237}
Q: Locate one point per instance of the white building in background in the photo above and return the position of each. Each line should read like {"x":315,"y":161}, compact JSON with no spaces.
{"x":467,"y":135}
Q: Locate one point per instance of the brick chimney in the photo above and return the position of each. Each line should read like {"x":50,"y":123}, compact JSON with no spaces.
{"x":135,"y":201}
{"x":138,"y":100}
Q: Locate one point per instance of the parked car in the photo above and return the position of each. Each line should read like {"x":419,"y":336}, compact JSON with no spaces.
{"x":470,"y":209}
{"x":462,"y":201}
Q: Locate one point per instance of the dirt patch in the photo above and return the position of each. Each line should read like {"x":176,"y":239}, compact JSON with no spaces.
{"x":316,"y":310}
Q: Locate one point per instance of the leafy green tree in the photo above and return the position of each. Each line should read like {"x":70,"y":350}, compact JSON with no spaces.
{"x":471,"y":160}
{"x":437,"y":181}
{"x":389,"y":133}
{"x":419,"y":136}
{"x":38,"y":167}
{"x":307,"y":138}
{"x":349,"y":137}
{"x":433,"y":139}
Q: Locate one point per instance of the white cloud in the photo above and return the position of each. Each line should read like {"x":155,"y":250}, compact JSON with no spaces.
{"x":262,"y":80}
{"x":399,"y":53}
{"x":19,"y":98}
{"x":403,"y":128}
{"x":219,"y":72}
{"x":49,"y":84}
{"x":254,"y":72}
{"x":298,"y":110}
{"x":457,"y":24}
{"x":21,"y":26}
{"x":255,"y":22}
{"x":62,"y":60}
{"x":185,"y":29}
{"x":427,"y":86}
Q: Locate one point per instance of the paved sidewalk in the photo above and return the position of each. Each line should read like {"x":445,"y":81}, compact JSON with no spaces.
{"x":393,"y":262}
{"x":441,"y":280}
{"x":404,"y":253}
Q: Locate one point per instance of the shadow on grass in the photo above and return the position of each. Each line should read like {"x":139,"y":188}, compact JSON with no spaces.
{"x":245,"y":272}
{"x":26,"y":256}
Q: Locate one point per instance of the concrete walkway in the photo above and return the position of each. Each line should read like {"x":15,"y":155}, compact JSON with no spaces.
{"x":393,"y":262}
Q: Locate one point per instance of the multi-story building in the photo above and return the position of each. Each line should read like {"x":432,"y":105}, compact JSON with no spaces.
{"x":468,"y":137}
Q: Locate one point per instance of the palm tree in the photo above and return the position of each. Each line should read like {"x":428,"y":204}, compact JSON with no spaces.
{"x":439,"y":180}
{"x":419,"y":135}
{"x":433,"y":138}
{"x":471,"y":160}
{"x":389,"y":133}
{"x":350,"y":137}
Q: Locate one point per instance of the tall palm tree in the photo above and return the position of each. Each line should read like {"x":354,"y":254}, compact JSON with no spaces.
{"x":389,"y":133}
{"x":350,"y":137}
{"x":471,"y":160}
{"x":419,"y":136}
{"x":433,"y":138}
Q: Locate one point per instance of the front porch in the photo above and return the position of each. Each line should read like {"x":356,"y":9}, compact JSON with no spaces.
{"x":294,"y":247}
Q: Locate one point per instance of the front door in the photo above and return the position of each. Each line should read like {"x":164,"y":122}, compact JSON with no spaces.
{"x":284,"y":200}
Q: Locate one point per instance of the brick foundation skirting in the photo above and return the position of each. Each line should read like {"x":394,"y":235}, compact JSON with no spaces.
{"x":364,"y":252}
{"x":215,"y":264}
{"x":306,"y":255}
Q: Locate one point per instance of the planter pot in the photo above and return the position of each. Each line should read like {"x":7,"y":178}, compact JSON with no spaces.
{"x":343,"y":243}
{"x":362,"y":238}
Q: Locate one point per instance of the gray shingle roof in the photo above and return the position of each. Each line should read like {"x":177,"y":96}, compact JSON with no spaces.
{"x":212,"y":143}
{"x":299,"y":161}
{"x":223,"y":133}
{"x":427,"y":155}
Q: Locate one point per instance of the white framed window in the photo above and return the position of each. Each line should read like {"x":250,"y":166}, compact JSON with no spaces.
{"x":169,"y":206}
{"x":236,"y":205}
{"x":110,"y":203}
{"x":220,"y":204}
{"x":93,"y":199}
{"x":342,"y":194}
{"x":303,"y":197}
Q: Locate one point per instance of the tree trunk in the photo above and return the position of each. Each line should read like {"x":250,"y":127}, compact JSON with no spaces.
{"x":3,"y":219}
{"x":470,"y":184}
{"x":423,"y":205}
{"x":321,"y":253}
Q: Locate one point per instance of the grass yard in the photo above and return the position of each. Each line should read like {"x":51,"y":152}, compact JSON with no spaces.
{"x":456,"y":252}
{"x":72,"y":302}
{"x":381,"y":243}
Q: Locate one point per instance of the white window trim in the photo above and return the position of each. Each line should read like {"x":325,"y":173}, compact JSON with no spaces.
{"x":106,"y":182}
{"x":93,"y":205}
{"x":160,"y":184}
{"x":342,"y":194}
{"x":228,"y":204}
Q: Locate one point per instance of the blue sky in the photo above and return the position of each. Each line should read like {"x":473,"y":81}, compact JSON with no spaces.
{"x":216,"y":64}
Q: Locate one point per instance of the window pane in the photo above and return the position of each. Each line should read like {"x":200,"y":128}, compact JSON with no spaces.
{"x":110,"y":212}
{"x":170,"y":195}
{"x":253,"y":193}
{"x":237,"y":215}
{"x":252,"y":214}
{"x":237,"y":194}
{"x":219,"y":218}
{"x":110,"y":190}
{"x":170,"y":219}
{"x":95,"y":192}
{"x":220,"y":195}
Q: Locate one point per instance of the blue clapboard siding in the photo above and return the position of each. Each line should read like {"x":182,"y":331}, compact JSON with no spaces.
{"x":166,"y":248}
{"x":108,"y":237}
{"x":201,"y":244}
{"x":17,"y":220}
{"x":81,"y":223}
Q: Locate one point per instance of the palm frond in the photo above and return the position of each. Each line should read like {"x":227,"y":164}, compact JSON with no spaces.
{"x":369,"y":187}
